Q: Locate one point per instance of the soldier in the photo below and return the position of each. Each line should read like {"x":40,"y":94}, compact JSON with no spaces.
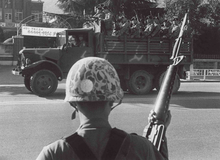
{"x":100,"y":15}
{"x":82,"y":41}
{"x":124,"y":27}
{"x":92,"y":88}
{"x":156,"y":29}
{"x":72,"y":42}
{"x":165,"y":28}
{"x":108,"y":21}
{"x":149,"y":27}
{"x":174,"y":29}
{"x":135,"y":28}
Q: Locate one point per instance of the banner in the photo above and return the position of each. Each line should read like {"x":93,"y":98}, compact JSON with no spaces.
{"x":40,"y":31}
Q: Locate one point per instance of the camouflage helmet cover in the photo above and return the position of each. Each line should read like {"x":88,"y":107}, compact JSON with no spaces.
{"x":93,"y":79}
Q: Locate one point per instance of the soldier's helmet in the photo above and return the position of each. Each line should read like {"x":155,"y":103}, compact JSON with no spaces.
{"x":93,"y":79}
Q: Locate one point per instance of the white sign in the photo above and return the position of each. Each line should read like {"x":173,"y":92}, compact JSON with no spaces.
{"x":40,"y":31}
{"x":2,"y":24}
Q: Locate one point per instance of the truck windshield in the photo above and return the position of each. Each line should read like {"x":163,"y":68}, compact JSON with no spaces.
{"x":61,"y":39}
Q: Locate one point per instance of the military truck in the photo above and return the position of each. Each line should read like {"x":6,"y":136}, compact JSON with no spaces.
{"x":140,"y":62}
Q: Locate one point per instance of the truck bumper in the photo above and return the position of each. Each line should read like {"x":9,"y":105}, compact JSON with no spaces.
{"x":16,"y":71}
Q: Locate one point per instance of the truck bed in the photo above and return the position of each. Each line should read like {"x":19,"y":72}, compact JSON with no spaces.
{"x":123,"y":50}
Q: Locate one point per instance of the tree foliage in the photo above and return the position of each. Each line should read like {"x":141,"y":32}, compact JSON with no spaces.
{"x":201,"y":13}
{"x":203,"y":18}
{"x":78,"y":6}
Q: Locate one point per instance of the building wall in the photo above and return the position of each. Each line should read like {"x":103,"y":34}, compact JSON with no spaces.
{"x":12,"y":12}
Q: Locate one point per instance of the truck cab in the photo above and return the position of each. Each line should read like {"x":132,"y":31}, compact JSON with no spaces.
{"x":72,"y":53}
{"x":43,"y":67}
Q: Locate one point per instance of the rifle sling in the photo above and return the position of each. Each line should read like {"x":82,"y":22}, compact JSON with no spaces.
{"x":113,"y":146}
{"x":80,"y":147}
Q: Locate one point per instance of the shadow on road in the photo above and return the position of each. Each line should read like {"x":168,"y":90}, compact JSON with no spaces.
{"x":182,"y":99}
{"x":14,"y":90}
{"x":21,"y":90}
{"x":197,"y":100}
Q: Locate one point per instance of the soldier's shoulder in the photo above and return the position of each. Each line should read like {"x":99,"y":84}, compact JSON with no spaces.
{"x":138,"y":140}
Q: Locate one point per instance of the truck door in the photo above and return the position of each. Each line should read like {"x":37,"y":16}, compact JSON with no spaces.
{"x":72,"y":52}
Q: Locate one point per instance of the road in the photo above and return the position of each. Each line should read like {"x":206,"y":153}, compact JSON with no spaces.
{"x":29,"y":122}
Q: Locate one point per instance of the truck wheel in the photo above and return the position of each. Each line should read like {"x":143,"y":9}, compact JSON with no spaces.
{"x":27,"y":82}
{"x":44,"y":83}
{"x":176,"y":85}
{"x":140,"y":82}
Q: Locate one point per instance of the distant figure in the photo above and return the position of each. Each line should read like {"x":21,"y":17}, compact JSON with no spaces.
{"x":174,"y":29}
{"x":82,"y":41}
{"x":149,"y":27}
{"x":108,"y":22}
{"x":100,"y":16}
{"x":116,"y":28}
{"x":156,"y":28}
{"x":135,"y":28}
{"x":72,"y":42}
{"x":165,"y":28}
{"x":100,"y":12}
{"x":124,"y":27}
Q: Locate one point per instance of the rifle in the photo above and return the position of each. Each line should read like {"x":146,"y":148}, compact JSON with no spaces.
{"x":155,"y":131}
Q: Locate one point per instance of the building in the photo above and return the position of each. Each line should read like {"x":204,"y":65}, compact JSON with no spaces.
{"x":13,"y":12}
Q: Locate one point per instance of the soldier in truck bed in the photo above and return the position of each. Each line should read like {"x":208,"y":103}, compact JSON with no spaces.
{"x":174,"y":29}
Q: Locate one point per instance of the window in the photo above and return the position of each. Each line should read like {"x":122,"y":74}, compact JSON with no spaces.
{"x":37,"y":16}
{"x":18,"y":16}
{"x":8,"y":16}
{"x":8,"y":3}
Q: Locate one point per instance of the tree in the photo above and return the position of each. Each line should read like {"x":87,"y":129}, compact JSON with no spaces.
{"x":203,"y":18}
{"x":201,"y":12}
{"x":78,"y":6}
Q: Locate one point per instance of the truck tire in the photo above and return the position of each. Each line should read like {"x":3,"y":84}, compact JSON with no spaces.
{"x":140,"y":82}
{"x":176,"y":85}
{"x":44,"y":83}
{"x":27,"y":82}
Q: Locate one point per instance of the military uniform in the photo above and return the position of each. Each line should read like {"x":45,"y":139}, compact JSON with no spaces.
{"x":96,"y":135}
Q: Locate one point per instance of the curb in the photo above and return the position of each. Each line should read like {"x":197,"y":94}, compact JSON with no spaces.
{"x":199,"y":80}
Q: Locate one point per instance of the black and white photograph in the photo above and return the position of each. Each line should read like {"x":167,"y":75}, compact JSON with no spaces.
{"x":109,"y":79}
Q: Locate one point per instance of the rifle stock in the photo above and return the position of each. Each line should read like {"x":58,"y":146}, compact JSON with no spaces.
{"x":155,"y":131}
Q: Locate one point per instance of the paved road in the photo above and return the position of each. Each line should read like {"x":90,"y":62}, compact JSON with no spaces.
{"x":29,"y":122}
